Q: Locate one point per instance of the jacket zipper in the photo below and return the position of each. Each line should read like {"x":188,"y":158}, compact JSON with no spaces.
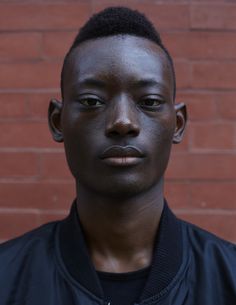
{"x":109,"y":303}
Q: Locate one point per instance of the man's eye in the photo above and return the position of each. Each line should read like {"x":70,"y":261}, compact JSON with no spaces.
{"x":90,"y":102}
{"x":150,"y":102}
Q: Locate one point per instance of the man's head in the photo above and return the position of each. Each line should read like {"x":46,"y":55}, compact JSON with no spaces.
{"x":117,"y":21}
{"x":118,"y":119}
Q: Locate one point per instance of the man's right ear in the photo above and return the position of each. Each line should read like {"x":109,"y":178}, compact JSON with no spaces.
{"x":54,"y":119}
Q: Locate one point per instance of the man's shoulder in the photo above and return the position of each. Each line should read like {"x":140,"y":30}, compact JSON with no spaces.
{"x":28,"y":263}
{"x":211,"y":265}
{"x":207,"y":246}
{"x":17,"y":248}
{"x":206,"y":236}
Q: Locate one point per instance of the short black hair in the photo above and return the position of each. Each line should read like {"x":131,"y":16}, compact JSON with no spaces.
{"x":114,"y":21}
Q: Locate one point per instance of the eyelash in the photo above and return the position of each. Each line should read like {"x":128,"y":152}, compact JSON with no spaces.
{"x":93,"y":102}
{"x":91,"y":99}
{"x":153,"y":100}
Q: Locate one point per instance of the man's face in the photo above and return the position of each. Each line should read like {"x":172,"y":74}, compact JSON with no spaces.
{"x":118,"y":117}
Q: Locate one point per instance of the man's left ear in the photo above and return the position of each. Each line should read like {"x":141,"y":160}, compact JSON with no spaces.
{"x":181,"y":119}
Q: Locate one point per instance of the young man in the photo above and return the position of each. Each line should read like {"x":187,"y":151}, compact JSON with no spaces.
{"x":121,"y":244}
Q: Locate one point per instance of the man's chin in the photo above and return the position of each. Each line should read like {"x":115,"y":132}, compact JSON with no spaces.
{"x":121,"y":189}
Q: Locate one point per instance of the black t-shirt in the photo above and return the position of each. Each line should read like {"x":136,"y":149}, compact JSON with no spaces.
{"x":123,"y":288}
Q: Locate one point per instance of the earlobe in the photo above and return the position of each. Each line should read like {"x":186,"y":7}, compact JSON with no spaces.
{"x":181,"y":119}
{"x":54,"y":119}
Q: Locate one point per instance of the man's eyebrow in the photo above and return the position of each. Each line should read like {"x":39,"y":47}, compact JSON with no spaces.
{"x":89,"y":81}
{"x":98,"y":83}
{"x":148,"y":82}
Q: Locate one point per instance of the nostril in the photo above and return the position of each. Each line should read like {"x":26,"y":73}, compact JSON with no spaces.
{"x":133,"y":132}
{"x":113,"y":133}
{"x":122,"y":129}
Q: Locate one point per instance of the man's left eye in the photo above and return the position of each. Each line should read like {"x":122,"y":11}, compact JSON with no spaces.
{"x":150,"y":102}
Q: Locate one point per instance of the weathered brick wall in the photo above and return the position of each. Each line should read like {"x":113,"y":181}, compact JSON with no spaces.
{"x":35,"y":184}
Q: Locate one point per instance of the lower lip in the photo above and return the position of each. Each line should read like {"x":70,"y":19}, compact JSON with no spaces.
{"x":122,"y":161}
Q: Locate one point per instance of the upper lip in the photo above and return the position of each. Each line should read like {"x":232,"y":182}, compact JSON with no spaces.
{"x":117,"y":151}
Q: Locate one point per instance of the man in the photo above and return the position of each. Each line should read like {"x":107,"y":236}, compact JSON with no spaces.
{"x":121,"y":244}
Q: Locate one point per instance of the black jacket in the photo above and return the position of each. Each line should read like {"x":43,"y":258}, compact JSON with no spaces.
{"x":50,"y":266}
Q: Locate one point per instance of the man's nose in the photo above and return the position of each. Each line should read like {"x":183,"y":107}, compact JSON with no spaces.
{"x":122,"y":119}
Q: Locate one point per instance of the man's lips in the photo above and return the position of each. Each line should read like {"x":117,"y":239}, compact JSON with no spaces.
{"x":117,"y":151}
{"x":117,"y":155}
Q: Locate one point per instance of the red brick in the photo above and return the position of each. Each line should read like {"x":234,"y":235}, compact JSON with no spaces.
{"x":226,"y":104}
{"x":201,"y":106}
{"x":14,"y":223}
{"x":221,"y":225}
{"x":52,"y":216}
{"x":213,"y":1}
{"x":201,"y":45}
{"x":213,"y":16}
{"x":30,"y":75}
{"x":163,"y":15}
{"x":54,"y":166}
{"x":177,"y":194}
{"x":44,"y":16}
{"x":17,"y":164}
{"x":214,"y":75}
{"x":183,"y":74}
{"x":39,"y":192}
{"x":213,"y":195}
{"x":26,"y":134}
{"x":38,"y":195}
{"x":20,"y":46}
{"x":214,"y":166}
{"x":12,"y":105}
{"x":201,"y":194}
{"x":183,"y":146}
{"x":38,"y":104}
{"x":216,"y":136}
{"x":57,"y":44}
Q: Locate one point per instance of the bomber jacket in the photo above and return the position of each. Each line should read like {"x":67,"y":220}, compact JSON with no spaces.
{"x":51,"y":266}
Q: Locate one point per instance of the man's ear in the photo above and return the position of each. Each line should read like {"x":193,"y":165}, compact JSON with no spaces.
{"x":181,"y":119}
{"x":54,"y":119}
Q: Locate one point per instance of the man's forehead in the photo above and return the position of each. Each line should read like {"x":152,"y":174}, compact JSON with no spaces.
{"x":118,"y":44}
{"x":118,"y":54}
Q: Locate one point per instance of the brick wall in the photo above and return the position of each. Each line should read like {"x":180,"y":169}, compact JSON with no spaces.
{"x":35,"y":184}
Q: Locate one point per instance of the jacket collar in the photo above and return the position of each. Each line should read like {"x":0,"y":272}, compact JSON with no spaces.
{"x":167,"y":257}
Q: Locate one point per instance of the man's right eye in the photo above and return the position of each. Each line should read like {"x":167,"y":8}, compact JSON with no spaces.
{"x":90,"y":102}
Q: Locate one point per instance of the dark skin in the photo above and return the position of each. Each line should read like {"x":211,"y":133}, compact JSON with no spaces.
{"x":118,"y":121}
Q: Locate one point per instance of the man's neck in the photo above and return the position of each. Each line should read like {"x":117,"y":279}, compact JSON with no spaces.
{"x":120,"y":233}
